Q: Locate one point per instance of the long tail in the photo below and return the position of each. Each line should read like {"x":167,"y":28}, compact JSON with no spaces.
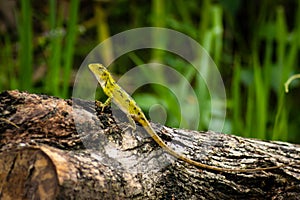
{"x":162,"y":144}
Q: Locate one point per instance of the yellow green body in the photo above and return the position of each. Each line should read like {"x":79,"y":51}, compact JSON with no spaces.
{"x":125,"y":102}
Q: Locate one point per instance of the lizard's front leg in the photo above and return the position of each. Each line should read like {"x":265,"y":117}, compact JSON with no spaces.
{"x":103,"y":105}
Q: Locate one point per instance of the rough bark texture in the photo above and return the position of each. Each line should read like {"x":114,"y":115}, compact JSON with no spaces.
{"x":44,"y":156}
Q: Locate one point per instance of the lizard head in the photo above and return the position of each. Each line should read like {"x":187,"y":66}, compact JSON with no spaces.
{"x":101,"y":73}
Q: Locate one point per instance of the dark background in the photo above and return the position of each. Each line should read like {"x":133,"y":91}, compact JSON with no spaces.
{"x":255,"y":45}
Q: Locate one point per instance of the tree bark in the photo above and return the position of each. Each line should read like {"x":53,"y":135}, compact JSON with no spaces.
{"x":50,"y":149}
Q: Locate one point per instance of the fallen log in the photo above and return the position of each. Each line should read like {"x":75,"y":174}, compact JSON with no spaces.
{"x":48,"y":151}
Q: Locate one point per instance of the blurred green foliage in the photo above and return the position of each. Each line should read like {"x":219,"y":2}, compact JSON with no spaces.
{"x":255,"y":45}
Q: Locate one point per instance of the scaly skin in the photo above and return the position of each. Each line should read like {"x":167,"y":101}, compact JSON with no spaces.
{"x":134,"y":112}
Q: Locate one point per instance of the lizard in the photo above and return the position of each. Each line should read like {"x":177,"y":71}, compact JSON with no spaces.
{"x":135,"y":114}
{"x":9,"y":122}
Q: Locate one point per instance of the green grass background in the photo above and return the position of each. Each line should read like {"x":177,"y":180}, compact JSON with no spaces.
{"x":255,"y":45}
